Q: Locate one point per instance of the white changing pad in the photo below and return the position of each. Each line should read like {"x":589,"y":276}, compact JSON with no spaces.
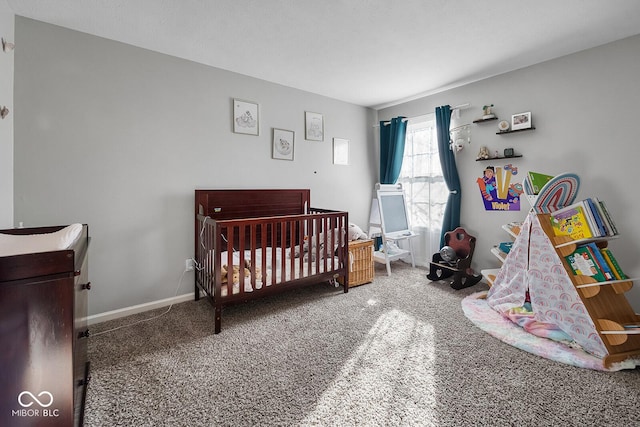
{"x":13,"y":244}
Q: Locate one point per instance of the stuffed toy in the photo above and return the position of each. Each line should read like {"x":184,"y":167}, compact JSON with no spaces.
{"x":356,"y":233}
{"x":304,"y":249}
{"x":310,"y":249}
{"x":483,"y":154}
{"x":236,"y":272}
{"x":235,"y":275}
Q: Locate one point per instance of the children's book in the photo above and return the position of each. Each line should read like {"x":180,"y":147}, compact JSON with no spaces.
{"x":571,"y":221}
{"x":605,"y":222}
{"x":538,"y":180}
{"x":613,"y":264}
{"x":607,"y":215}
{"x":596,"y":217}
{"x":505,"y":247}
{"x":604,"y":266}
{"x":583,"y":263}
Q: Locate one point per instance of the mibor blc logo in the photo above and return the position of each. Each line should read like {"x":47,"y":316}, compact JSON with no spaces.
{"x":35,"y":405}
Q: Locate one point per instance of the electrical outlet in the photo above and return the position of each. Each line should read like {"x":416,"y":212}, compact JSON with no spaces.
{"x":188,"y":265}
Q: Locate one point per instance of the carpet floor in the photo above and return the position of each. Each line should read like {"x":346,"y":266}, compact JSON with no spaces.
{"x":396,"y":352}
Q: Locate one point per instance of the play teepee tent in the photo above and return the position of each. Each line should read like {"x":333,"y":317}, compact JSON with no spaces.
{"x":533,"y":273}
{"x":537,"y":290}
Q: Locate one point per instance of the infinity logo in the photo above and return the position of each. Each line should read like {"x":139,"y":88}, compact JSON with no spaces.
{"x":44,"y":405}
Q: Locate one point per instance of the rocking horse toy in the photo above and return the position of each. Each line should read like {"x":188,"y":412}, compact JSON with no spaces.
{"x":454,"y":259}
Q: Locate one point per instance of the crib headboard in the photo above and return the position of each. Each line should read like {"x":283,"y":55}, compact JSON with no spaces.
{"x":236,"y":204}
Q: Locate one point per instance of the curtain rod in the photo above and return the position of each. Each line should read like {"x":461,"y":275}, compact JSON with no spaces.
{"x":406,"y":119}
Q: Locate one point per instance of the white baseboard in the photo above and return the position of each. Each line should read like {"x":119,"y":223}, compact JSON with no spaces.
{"x":140,"y":308}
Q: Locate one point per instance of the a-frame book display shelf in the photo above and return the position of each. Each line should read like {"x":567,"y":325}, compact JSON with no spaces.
{"x":605,"y":302}
{"x":596,"y":314}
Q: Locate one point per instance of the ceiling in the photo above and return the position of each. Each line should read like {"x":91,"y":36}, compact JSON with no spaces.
{"x":373,"y":53}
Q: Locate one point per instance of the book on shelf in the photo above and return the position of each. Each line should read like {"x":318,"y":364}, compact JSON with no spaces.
{"x":600,"y":261}
{"x":597,"y":219}
{"x":571,"y":221}
{"x":585,"y":219}
{"x":605,"y":223}
{"x":582,"y":262}
{"x":505,"y":247}
{"x":613,"y":264}
{"x":607,"y":215}
{"x":590,"y":218}
{"x":537,"y":180}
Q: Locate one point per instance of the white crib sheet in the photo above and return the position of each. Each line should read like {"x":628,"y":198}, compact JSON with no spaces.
{"x":267,"y":275}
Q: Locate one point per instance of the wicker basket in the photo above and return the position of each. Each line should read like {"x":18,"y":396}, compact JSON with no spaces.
{"x":360,"y":262}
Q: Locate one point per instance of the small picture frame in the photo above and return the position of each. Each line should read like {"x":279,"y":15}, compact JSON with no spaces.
{"x":282,"y":146}
{"x":521,"y":121}
{"x":246,"y":117}
{"x":313,"y":126}
{"x":340,"y":151}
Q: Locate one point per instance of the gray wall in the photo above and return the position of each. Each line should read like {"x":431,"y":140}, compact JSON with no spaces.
{"x":6,"y":125}
{"x":585,"y":109}
{"x":119,"y":137}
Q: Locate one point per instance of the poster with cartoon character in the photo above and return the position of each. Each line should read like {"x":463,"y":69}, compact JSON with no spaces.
{"x":497,"y":190}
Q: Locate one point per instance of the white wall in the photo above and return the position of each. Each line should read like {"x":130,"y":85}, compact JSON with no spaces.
{"x":6,"y":125}
{"x":585,"y":109}
{"x":119,"y":137}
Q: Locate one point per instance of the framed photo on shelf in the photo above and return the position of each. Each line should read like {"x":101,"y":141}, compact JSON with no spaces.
{"x":246,"y":117}
{"x":283,"y":144}
{"x":340,"y":151}
{"x":313,"y":126}
{"x":521,"y":121}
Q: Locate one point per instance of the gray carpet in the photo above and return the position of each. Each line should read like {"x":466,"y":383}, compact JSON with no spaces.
{"x":396,"y":352}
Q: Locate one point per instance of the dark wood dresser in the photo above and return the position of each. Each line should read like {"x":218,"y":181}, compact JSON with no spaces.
{"x":43,"y":334}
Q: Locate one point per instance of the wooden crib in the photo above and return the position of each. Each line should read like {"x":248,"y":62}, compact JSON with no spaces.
{"x":253,"y":243}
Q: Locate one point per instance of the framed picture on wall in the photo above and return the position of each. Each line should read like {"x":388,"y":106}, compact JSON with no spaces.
{"x":340,"y":151}
{"x":246,"y":117}
{"x":521,"y":121}
{"x":283,"y":144}
{"x":314,"y":126}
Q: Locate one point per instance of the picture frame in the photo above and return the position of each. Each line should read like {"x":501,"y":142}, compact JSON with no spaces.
{"x":340,"y":151}
{"x":521,"y":121}
{"x":283,"y":144}
{"x":313,"y":126}
{"x":246,"y":117}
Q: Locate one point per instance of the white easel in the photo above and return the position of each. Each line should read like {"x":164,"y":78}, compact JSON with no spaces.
{"x":389,"y":219}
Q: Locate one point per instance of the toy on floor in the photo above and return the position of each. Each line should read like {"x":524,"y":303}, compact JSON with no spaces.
{"x":454,"y":259}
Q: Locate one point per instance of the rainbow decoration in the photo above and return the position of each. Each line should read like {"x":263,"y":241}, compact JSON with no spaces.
{"x":559,"y":192}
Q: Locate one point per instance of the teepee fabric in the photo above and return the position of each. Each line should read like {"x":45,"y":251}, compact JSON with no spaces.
{"x":535,"y":266}
{"x":510,"y":285}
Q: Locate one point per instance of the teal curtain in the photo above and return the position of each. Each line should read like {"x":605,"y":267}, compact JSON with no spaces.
{"x":392,"y":137}
{"x":451,"y":218}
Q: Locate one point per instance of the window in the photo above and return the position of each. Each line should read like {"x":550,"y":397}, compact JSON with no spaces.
{"x":423,"y":183}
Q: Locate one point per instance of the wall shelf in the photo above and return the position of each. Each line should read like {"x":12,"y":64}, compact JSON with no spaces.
{"x":498,"y":158}
{"x":485,"y":120}
{"x":514,"y":131}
